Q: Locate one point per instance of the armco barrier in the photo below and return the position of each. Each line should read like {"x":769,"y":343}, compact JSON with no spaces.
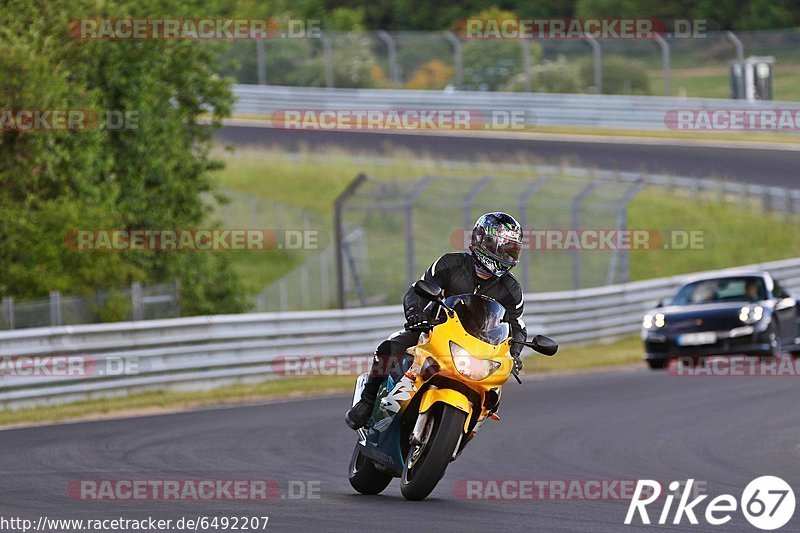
{"x":213,"y":350}
{"x":540,"y":109}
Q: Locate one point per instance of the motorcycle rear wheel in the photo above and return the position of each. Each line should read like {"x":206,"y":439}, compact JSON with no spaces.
{"x":364,"y":477}
{"x":426,"y":466}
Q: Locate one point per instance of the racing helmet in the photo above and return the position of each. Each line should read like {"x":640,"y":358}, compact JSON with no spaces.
{"x":496,"y":243}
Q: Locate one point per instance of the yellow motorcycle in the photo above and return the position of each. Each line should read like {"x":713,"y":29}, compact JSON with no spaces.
{"x":438,"y":396}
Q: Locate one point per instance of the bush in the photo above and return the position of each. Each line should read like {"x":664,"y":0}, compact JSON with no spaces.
{"x":559,"y":76}
{"x":353,"y":61}
{"x":621,"y":75}
{"x":434,"y":74}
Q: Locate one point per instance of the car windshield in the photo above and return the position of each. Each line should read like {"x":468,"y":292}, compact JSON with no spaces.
{"x":480,"y":316}
{"x":731,"y":289}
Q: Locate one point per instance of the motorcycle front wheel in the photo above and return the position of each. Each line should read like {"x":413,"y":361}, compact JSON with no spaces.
{"x":426,"y":463}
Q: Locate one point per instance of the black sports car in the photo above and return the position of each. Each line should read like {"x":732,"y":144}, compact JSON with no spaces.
{"x":742,"y":313}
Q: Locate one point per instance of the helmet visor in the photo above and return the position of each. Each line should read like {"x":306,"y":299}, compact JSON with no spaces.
{"x":502,"y":249}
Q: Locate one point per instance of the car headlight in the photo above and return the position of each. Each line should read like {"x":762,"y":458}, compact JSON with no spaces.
{"x":472,"y":367}
{"x":751,"y":314}
{"x":658,"y":320}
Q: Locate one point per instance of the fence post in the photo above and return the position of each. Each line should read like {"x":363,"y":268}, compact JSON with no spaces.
{"x":261,"y":302}
{"x":323,"y":278}
{"x":327,"y":48}
{"x":598,"y":64}
{"x":282,"y":294}
{"x":304,"y":292}
{"x":55,"y":308}
{"x":391,"y":46}
{"x":622,"y":223}
{"x":665,"y":63}
{"x":526,"y":62}
{"x":411,"y":272}
{"x":8,"y":311}
{"x":742,"y":197}
{"x":469,"y":199}
{"x":523,"y":221}
{"x":456,"y":58}
{"x":253,"y":212}
{"x":176,"y":287}
{"x":737,"y":43}
{"x":261,"y":68}
{"x":575,"y":209}
{"x":338,"y":234}
{"x":136,"y":301}
{"x":278,"y":207}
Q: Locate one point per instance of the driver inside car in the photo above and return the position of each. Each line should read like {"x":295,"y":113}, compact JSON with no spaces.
{"x":495,"y":247}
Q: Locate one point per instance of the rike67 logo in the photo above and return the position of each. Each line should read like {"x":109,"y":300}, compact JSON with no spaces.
{"x":767,"y":503}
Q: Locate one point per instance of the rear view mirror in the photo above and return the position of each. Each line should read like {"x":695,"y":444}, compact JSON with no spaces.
{"x":544,"y":345}
{"x":428,"y":290}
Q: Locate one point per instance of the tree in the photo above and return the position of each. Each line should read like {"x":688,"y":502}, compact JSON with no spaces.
{"x":151,"y":177}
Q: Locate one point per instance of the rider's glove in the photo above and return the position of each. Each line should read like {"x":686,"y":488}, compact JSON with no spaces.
{"x":415,"y":320}
{"x":518,"y":366}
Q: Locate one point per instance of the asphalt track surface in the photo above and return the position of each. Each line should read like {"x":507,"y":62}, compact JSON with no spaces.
{"x":776,"y":167}
{"x":622,"y":425}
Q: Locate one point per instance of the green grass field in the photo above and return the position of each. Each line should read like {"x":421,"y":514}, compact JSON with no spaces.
{"x":715,"y":82}
{"x":733,"y":236}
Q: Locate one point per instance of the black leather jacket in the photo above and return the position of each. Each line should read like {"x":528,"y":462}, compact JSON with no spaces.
{"x":455,"y":273}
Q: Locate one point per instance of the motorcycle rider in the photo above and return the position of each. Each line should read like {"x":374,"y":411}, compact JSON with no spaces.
{"x":494,"y":250}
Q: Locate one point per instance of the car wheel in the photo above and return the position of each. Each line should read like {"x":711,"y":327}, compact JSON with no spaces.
{"x":774,"y":339}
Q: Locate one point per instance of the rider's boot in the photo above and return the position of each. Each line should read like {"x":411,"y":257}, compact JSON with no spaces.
{"x":359,"y":414}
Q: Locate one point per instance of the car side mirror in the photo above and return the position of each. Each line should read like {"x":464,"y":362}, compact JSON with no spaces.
{"x":427,"y":290}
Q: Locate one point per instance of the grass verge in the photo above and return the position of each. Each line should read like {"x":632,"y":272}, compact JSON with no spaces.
{"x":733,"y":235}
{"x":569,"y":358}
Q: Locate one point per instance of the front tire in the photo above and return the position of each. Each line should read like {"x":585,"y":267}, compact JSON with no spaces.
{"x":774,"y":339}
{"x":657,"y":364}
{"x":364,"y":477}
{"x":426,"y":464}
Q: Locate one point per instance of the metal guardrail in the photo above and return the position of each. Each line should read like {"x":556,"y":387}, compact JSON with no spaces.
{"x":215,"y":350}
{"x":538,"y":109}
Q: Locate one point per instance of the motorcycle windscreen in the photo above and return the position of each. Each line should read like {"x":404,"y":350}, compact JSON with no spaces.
{"x":481,"y":317}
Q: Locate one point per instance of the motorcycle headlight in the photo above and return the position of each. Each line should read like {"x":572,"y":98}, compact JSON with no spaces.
{"x":471,"y":367}
{"x":751,"y":314}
